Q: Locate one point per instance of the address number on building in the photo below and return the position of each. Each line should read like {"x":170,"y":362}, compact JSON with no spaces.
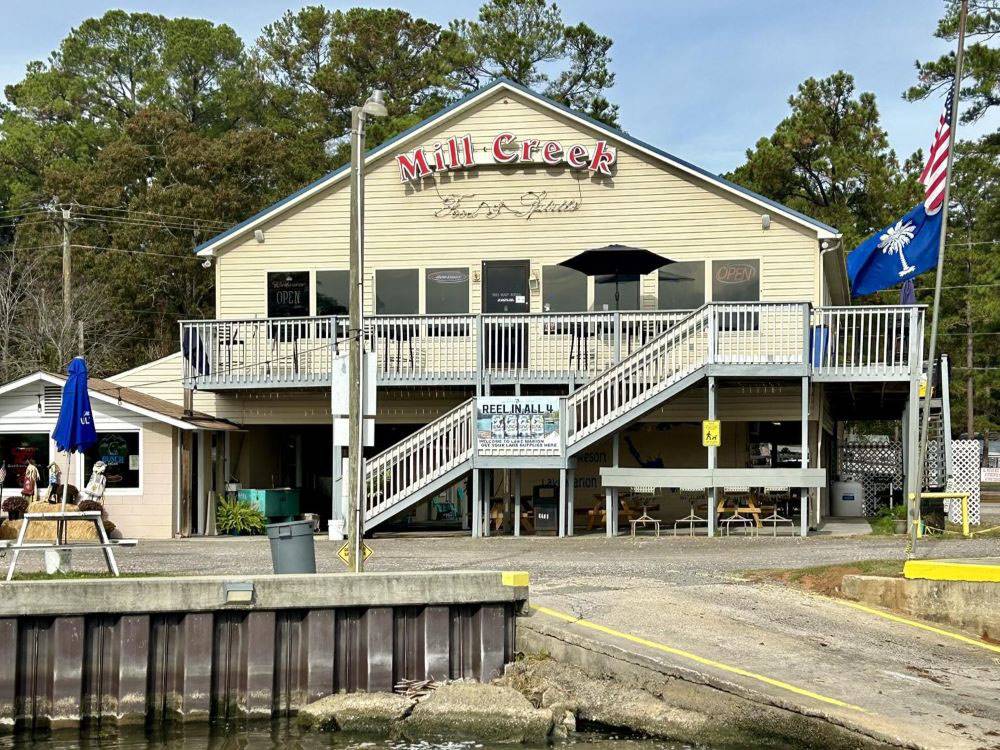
{"x":711,"y":433}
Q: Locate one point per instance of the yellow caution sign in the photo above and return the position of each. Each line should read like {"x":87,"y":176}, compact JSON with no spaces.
{"x":345,"y":552}
{"x":711,"y":433}
{"x":922,"y":387}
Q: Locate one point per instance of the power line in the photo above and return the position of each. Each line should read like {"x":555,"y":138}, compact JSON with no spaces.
{"x":152,"y":213}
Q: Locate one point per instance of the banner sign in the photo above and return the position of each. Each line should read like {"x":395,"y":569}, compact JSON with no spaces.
{"x":459,"y":152}
{"x":518,"y":425}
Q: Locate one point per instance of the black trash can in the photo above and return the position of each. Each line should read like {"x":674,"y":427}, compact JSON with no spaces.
{"x":292,"y":549}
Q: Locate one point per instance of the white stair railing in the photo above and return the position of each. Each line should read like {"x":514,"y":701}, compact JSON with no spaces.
{"x":419,"y":459}
{"x":660,"y":363}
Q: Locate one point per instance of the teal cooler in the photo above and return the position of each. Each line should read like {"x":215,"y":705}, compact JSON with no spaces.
{"x":280,"y":502}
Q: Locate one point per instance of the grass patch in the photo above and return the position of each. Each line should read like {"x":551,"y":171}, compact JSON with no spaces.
{"x":80,"y":574}
{"x":826,"y":579}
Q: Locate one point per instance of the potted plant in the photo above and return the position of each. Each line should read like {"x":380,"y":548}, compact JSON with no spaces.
{"x":238,"y":517}
{"x":15,"y":506}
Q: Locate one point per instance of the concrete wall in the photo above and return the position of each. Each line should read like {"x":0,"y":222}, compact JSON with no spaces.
{"x":156,"y":649}
{"x":969,"y":606}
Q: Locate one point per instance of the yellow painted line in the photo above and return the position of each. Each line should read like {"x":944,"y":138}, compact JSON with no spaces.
{"x":951,"y":570}
{"x":695,"y":658}
{"x":916,"y":624}
{"x":514,"y":578}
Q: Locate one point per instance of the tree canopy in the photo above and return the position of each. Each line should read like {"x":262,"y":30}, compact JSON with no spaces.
{"x":830,"y":159}
{"x":160,"y":132}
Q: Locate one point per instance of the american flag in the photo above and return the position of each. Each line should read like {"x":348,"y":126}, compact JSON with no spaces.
{"x":935,"y":174}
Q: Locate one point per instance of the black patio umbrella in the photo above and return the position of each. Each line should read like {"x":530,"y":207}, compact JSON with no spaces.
{"x":615,"y":260}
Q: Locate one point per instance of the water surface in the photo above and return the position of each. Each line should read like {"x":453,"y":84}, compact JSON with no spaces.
{"x":284,"y":734}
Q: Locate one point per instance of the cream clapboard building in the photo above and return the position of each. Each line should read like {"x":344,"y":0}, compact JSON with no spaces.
{"x":751,"y":324}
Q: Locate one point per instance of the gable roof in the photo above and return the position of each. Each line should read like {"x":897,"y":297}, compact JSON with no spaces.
{"x":130,"y":400}
{"x":208,"y":247}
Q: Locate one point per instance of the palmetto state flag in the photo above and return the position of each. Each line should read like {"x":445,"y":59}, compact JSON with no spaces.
{"x":897,"y":253}
{"x":909,"y":247}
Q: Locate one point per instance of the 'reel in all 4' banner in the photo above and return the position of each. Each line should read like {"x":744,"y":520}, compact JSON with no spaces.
{"x":518,"y":425}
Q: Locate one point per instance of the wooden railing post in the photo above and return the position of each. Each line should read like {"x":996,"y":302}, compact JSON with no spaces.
{"x":806,"y":342}
{"x":712,"y":328}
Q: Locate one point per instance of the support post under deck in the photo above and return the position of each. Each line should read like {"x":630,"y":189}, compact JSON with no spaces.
{"x":804,"y":491}
{"x":477,"y":514}
{"x":562,"y":502}
{"x":712,"y":460}
{"x":517,"y":502}
{"x":570,"y":499}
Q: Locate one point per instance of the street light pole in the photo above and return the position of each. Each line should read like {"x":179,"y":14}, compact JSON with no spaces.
{"x":355,"y":408}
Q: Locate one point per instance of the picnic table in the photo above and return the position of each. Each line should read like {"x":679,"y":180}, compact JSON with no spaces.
{"x":61,"y":542}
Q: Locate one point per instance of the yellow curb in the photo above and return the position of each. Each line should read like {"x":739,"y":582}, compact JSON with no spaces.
{"x":695,"y":658}
{"x":952,"y":570}
{"x":514,"y":578}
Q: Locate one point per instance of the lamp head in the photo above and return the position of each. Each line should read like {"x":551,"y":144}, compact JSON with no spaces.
{"x":375,"y":106}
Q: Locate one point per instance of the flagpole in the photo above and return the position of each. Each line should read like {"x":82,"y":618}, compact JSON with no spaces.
{"x":914,"y":509}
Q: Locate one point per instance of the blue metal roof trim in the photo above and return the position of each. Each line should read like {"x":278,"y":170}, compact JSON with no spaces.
{"x":534,"y":94}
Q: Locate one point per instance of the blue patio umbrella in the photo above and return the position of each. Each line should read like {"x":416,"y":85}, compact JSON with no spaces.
{"x":75,"y":431}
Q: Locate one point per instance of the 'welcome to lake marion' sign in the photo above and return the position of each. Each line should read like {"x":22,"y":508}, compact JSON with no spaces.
{"x":459,"y":152}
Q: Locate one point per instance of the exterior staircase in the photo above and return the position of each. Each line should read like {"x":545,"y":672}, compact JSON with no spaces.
{"x":440,"y":453}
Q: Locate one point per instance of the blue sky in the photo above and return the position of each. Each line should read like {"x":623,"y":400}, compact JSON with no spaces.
{"x":703,"y":80}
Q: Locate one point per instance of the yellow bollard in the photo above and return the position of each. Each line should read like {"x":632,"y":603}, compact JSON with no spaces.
{"x":965,"y":517}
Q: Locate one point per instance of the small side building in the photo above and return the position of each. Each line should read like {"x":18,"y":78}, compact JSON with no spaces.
{"x":138,"y":438}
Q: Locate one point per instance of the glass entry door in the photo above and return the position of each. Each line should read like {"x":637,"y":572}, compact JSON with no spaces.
{"x":505,"y":286}
{"x":505,"y":290}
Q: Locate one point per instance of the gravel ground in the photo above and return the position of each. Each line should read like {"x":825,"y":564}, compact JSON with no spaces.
{"x":677,"y":560}
{"x":685,"y":592}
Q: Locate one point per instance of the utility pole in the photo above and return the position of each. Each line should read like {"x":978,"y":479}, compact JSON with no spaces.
{"x":355,"y":350}
{"x":67,"y":268}
{"x":79,"y":337}
{"x":374,"y":106}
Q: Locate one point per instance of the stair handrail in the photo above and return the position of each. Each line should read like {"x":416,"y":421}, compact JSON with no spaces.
{"x":380,"y":492}
{"x":702,"y":316}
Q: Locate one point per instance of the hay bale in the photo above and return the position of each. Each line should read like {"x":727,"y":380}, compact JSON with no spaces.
{"x":45,"y":531}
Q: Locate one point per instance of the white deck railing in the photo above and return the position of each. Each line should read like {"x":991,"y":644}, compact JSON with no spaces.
{"x":836,"y":342}
{"x":872,"y":341}
{"x":419,"y":459}
{"x":433,"y":349}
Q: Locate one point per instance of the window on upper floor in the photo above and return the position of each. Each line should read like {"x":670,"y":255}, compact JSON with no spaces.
{"x":736,"y":280}
{"x":681,"y":286}
{"x":446,"y":291}
{"x":332,"y":292}
{"x":397,"y":291}
{"x":563,"y":289}
{"x":288,"y":294}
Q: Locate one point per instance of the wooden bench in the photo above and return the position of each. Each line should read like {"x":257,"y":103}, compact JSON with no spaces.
{"x":60,"y":542}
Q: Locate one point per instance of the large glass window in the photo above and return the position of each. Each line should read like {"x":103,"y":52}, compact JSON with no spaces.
{"x":120,"y":451}
{"x":446,"y":291}
{"x":332,"y":292}
{"x":563,"y":289}
{"x":288,"y":294}
{"x":735,"y":280}
{"x":681,"y":286}
{"x":18,"y":450}
{"x":627,"y":285}
{"x":396,"y":291}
